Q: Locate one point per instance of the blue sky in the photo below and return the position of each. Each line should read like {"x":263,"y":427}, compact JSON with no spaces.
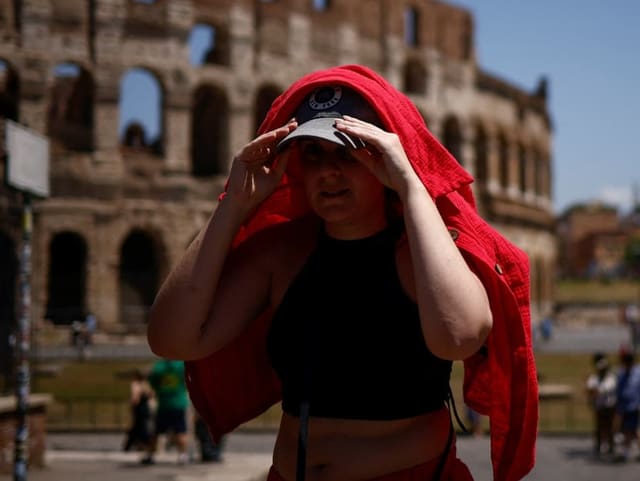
{"x":590,"y":51}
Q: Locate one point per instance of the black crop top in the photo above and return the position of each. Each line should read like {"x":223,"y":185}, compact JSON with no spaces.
{"x":347,"y":338}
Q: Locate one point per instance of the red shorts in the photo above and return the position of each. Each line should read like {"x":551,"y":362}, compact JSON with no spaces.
{"x":454,"y":470}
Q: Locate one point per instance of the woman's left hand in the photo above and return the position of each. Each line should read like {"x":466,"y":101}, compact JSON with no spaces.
{"x":384,"y":154}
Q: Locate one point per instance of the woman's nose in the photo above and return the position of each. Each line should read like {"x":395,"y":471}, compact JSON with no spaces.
{"x":329,"y":165}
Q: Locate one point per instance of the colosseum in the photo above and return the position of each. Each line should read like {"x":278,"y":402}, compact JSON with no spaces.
{"x":125,"y":201}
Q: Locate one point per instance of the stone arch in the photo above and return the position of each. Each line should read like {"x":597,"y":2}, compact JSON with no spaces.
{"x":210,"y":44}
{"x":414,"y":77}
{"x":70,"y":115}
{"x":142,"y":102}
{"x":139,"y":274}
{"x":321,"y":5}
{"x":264,"y":98}
{"x":522,"y":168}
{"x":503,"y":161}
{"x":411,"y":30}
{"x":481,"y":153}
{"x":8,"y":282}
{"x":452,"y":138}
{"x":209,"y":131}
{"x":67,"y":278}
{"x":538,"y":172}
{"x":9,"y":91}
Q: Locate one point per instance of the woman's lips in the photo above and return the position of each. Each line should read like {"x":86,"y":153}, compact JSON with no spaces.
{"x":332,"y":194}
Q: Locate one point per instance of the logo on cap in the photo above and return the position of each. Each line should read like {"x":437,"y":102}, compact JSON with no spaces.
{"x":325,"y":97}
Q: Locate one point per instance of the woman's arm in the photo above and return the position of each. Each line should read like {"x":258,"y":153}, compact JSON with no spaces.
{"x":209,"y":296}
{"x":454,"y":307}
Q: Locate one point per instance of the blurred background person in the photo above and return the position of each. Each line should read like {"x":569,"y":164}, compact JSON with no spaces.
{"x":168,"y":383}
{"x":140,"y":400}
{"x":628,"y":401}
{"x":601,"y":392}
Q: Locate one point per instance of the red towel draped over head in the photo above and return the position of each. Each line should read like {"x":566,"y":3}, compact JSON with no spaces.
{"x":237,"y":383}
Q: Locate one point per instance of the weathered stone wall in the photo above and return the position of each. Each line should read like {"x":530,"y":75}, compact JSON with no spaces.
{"x":109,"y":191}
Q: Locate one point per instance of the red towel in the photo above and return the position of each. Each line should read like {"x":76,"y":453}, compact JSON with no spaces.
{"x":237,"y":383}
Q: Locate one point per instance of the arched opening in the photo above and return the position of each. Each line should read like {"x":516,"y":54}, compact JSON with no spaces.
{"x":67,"y":278}
{"x":209,"y":131}
{"x":538,"y":177}
{"x":209,"y":45}
{"x":8,"y":281}
{"x":481,"y":150}
{"x":138,"y":278}
{"x":264,"y":98}
{"x":414,"y":77}
{"x":452,"y":138}
{"x":321,"y":5}
{"x":503,"y":162}
{"x":411,"y":27}
{"x":522,"y":169}
{"x":142,"y":105}
{"x":70,"y":114}
{"x":9,"y":92}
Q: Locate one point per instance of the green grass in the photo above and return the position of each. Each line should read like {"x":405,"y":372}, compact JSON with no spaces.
{"x":87,"y":395}
{"x":593,"y":292}
{"x":94,"y":395}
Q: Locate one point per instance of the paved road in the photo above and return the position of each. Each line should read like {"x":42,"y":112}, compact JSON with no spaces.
{"x":247,"y":457}
{"x":565,"y":339}
{"x":585,"y":339}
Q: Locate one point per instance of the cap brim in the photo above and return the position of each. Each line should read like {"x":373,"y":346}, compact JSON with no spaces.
{"x":324,"y":129}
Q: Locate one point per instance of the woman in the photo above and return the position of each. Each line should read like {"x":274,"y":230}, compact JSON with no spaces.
{"x":329,"y":231}
{"x":140,"y":397}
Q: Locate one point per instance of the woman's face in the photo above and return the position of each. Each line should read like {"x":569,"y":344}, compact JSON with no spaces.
{"x":338,"y":187}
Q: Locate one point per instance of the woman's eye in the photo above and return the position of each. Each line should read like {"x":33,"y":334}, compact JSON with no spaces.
{"x":312,"y":153}
{"x":346,"y":156}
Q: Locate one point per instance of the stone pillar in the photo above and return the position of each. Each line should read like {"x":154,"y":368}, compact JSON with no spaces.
{"x":348,"y":44}
{"x":241,"y":40}
{"x":104,"y":262}
{"x":177,"y":128}
{"x":300,"y":38}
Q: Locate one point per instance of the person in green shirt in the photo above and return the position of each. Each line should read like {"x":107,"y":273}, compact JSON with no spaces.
{"x":167,"y":380}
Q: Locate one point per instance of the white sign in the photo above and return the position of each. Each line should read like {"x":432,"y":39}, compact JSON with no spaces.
{"x":28,"y":159}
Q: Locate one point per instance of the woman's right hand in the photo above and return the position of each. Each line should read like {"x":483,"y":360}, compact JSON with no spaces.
{"x":257,"y":169}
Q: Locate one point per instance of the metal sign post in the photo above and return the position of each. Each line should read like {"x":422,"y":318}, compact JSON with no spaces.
{"x":23,"y":378}
{"x":27,"y":171}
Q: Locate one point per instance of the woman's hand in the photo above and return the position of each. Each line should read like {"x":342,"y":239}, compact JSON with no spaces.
{"x":384,"y":154}
{"x":257,"y":169}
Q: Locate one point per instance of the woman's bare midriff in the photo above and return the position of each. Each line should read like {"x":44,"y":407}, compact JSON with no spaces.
{"x":352,"y":450}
